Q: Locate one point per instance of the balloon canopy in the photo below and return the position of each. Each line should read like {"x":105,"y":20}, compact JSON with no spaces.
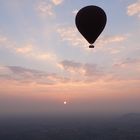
{"x":90,"y":22}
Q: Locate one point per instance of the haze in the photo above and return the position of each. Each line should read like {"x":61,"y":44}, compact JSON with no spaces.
{"x":45,"y":61}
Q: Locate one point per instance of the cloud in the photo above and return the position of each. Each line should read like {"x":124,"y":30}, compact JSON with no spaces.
{"x":105,"y":40}
{"x":71,"y":35}
{"x":45,"y":9}
{"x":3,"y":39}
{"x":4,"y":71}
{"x":74,"y":72}
{"x":88,"y":70}
{"x":27,"y":50}
{"x":75,"y":11}
{"x":126,"y":69}
{"x":30,"y":50}
{"x":134,"y":9}
{"x":113,"y":43}
{"x":87,"y":73}
{"x":6,"y":42}
{"x":30,"y":76}
{"x":57,"y":2}
{"x":128,"y":62}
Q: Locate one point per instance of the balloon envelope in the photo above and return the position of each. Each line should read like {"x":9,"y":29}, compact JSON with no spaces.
{"x":90,"y":22}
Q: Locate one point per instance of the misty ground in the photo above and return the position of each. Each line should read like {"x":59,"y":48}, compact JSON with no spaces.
{"x":125,"y":127}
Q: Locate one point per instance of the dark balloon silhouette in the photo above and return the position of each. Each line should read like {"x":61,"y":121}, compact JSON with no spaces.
{"x":90,"y":22}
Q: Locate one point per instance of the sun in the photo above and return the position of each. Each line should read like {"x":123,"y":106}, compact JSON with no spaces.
{"x":65,"y":102}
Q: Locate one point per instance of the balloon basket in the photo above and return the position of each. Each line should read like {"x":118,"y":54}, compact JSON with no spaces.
{"x":91,"y":46}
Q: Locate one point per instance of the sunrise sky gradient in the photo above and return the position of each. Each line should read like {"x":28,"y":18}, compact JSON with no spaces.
{"x":45,"y":61}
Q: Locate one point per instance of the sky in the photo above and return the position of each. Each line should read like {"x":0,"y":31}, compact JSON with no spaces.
{"x":47,"y":67}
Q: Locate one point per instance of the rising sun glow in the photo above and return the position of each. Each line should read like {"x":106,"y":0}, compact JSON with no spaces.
{"x":65,"y":102}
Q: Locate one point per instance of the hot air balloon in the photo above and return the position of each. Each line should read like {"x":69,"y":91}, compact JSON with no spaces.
{"x":90,"y":21}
